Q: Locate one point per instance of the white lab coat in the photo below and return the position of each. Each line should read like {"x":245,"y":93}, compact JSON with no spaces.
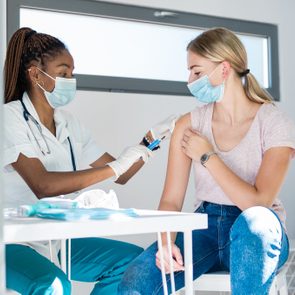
{"x":18,"y":138}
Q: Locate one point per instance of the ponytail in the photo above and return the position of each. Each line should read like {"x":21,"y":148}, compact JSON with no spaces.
{"x":13,"y":76}
{"x":25,"y":46}
{"x":254,"y":91}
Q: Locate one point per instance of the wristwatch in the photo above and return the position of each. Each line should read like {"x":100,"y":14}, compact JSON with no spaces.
{"x":205,"y":157}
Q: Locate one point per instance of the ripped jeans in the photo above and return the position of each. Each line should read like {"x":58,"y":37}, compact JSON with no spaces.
{"x":252,"y":245}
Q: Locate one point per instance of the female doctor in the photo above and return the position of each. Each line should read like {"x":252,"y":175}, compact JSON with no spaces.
{"x":46,"y":151}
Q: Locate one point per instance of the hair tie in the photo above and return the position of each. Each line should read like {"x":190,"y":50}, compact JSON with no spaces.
{"x":29,"y":35}
{"x":245,"y":73}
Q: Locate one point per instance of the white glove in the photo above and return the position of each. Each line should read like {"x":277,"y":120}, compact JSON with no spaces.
{"x":128,"y":157}
{"x":164,"y":128}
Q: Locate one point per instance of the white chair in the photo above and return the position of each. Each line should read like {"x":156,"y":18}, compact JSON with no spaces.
{"x":220,"y":282}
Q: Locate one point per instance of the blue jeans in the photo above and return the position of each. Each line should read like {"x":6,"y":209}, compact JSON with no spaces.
{"x":93,"y":260}
{"x":252,"y":245}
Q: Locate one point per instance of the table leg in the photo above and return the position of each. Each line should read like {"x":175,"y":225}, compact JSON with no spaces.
{"x":50,"y":251}
{"x":188,"y":257}
{"x":63,"y":257}
{"x":69,"y":259}
{"x":171,"y":263}
{"x":160,"y":248}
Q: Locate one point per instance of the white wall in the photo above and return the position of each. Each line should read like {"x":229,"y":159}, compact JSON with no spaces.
{"x":117,"y":120}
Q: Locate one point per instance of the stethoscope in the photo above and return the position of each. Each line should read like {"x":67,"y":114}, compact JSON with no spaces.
{"x":28,"y":116}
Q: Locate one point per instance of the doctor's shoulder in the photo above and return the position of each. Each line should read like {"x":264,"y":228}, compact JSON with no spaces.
{"x":13,"y":113}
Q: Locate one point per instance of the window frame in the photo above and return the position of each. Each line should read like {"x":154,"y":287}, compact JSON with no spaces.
{"x":144,"y":14}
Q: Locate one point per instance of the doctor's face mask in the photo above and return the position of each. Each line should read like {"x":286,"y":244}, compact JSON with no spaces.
{"x":63,"y":92}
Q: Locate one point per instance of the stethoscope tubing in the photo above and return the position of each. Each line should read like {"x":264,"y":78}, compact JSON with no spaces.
{"x":27,"y":117}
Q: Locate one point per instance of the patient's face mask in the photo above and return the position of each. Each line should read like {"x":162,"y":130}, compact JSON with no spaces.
{"x":204,"y":91}
{"x":63,"y":92}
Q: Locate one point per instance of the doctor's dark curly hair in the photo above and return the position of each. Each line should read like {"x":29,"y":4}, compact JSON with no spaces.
{"x":25,"y":47}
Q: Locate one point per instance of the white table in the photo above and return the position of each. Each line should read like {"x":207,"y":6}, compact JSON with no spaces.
{"x":149,"y":221}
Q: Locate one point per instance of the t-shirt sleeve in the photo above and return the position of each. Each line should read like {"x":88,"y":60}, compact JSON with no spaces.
{"x":16,"y":139}
{"x":279,"y":132}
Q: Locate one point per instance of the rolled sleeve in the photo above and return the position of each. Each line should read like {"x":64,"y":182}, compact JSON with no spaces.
{"x":16,"y":140}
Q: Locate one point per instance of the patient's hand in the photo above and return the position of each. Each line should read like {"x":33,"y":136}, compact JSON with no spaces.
{"x":194,"y":144}
{"x":176,"y":259}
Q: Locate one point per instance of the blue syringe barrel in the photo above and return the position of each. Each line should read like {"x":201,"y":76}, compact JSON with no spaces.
{"x":154,"y":144}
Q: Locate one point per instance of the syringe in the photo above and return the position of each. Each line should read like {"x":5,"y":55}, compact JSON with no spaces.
{"x":155,"y":143}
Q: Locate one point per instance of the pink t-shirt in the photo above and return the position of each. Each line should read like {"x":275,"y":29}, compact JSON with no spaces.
{"x":270,"y":128}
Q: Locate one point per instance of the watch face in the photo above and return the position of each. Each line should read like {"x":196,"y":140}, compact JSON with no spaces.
{"x":204,"y":158}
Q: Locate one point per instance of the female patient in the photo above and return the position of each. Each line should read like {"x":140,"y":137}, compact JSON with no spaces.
{"x":46,"y":151}
{"x":240,"y":145}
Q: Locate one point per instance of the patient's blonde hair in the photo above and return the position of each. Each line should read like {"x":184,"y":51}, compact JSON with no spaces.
{"x":220,"y":44}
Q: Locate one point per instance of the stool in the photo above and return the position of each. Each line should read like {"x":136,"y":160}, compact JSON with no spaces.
{"x":220,"y":282}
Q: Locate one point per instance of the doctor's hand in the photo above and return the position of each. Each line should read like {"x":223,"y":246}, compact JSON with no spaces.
{"x":176,"y":259}
{"x":194,"y":144}
{"x":159,"y":132}
{"x":164,"y":128}
{"x":128,"y":157}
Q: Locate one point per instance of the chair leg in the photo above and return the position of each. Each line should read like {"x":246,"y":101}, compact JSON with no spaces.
{"x":273,"y":289}
{"x":279,"y":286}
{"x":284,"y":290}
{"x":282,"y":285}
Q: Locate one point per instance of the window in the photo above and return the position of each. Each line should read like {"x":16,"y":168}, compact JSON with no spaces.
{"x":135,"y":49}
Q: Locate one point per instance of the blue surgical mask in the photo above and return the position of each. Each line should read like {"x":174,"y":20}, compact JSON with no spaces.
{"x":63,"y":92}
{"x":204,"y":91}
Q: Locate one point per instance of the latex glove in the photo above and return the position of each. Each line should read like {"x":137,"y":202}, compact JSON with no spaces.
{"x":164,"y":128}
{"x":128,"y":157}
{"x":98,"y":198}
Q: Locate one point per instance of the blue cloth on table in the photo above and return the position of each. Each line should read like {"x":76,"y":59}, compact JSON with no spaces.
{"x":83,"y":213}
